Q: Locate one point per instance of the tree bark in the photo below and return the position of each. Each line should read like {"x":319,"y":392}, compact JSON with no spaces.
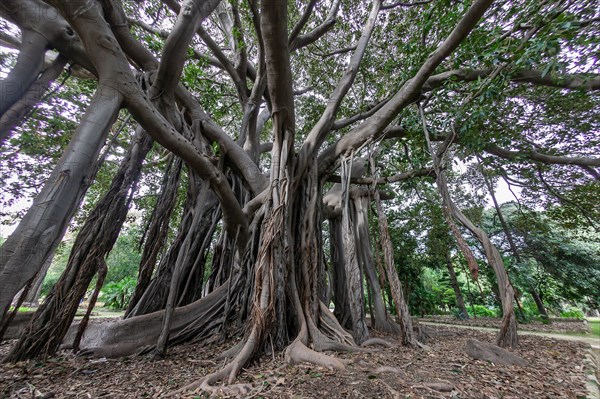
{"x":33,"y":295}
{"x":41,"y":229}
{"x":156,"y":232}
{"x":338,"y":260}
{"x":184,"y":257}
{"x":513,"y":247}
{"x":96,"y":238}
{"x":354,"y":286}
{"x":404,"y":318}
{"x":379,"y":320}
{"x":507,"y":336}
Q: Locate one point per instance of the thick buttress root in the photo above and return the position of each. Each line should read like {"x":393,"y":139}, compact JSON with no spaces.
{"x":297,"y":352}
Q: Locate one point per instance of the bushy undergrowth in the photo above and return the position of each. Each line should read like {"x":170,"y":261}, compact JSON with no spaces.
{"x":116,"y":295}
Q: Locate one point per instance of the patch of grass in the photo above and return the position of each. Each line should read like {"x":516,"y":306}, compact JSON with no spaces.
{"x":595,"y":327}
{"x":23,"y":309}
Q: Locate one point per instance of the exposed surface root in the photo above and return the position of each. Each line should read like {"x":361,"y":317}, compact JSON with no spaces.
{"x":231,"y":352}
{"x":388,"y":369}
{"x":297,"y":352}
{"x":206,"y":385}
{"x":330,"y":326}
{"x":378,"y":341}
{"x":235,"y":390}
{"x":323,"y":343}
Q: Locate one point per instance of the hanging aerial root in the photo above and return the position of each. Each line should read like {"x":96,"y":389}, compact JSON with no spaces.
{"x":297,"y":352}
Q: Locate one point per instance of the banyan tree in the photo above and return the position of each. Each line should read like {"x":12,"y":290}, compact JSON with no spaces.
{"x":282,"y":128}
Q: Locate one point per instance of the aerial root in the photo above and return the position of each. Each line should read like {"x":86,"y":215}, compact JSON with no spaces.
{"x":297,"y":352}
{"x":378,"y":341}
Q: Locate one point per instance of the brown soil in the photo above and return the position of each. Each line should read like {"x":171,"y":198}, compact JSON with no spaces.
{"x":444,"y":371}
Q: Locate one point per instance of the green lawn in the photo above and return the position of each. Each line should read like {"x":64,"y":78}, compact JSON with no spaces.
{"x":594,"y":323}
{"x":595,"y":326}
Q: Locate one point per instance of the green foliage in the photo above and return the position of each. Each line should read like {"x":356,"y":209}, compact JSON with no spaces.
{"x":59,"y":263}
{"x":124,"y":259}
{"x":29,"y":154}
{"x":116,"y":295}
{"x":481,"y":311}
{"x":595,"y":327}
{"x":122,"y":262}
{"x":572,"y":313}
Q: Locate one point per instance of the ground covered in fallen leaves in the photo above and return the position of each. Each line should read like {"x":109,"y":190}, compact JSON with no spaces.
{"x":555,"y":370}
{"x":561,"y":326}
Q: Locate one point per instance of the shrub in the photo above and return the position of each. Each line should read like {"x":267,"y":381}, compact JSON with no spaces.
{"x":573,"y":313}
{"x":481,"y":311}
{"x":117,"y":295}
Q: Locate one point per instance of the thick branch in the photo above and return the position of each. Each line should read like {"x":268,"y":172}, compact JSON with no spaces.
{"x":191,"y":15}
{"x":408,"y":93}
{"x":385,"y":180}
{"x":534,"y":155}
{"x":318,"y":133}
{"x":303,"y":20}
{"x":113,"y":67}
{"x":29,"y":65}
{"x":584,"y":82}
{"x":34,"y":94}
{"x":250,"y":172}
{"x":314,"y":35}
{"x":35,"y":15}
